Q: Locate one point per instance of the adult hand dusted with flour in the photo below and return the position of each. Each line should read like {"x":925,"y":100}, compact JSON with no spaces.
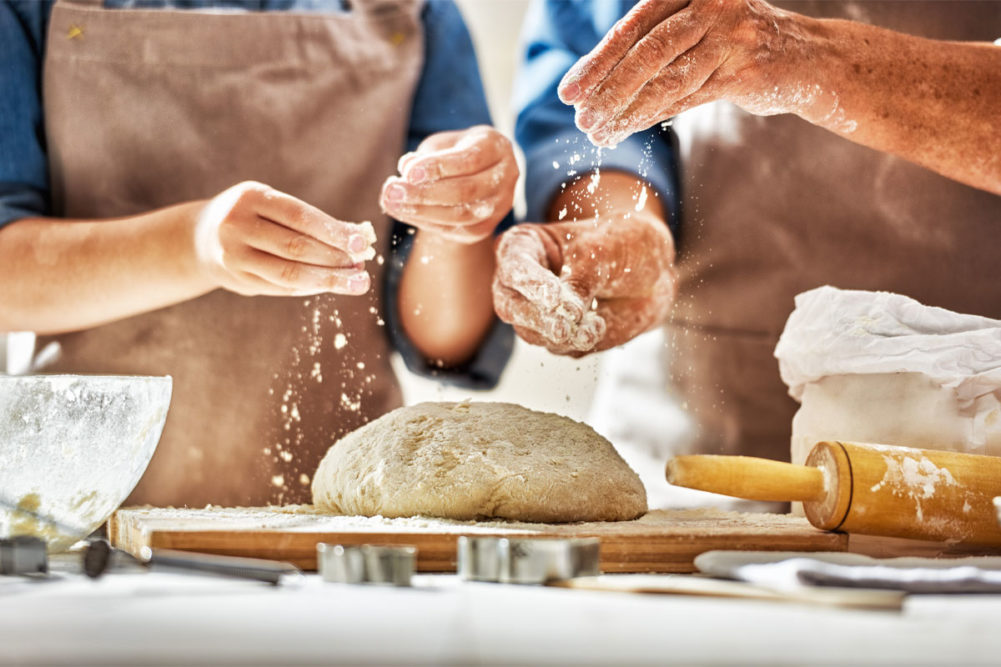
{"x":667,"y":56}
{"x":933,"y":102}
{"x":588,"y":284}
{"x":457,"y":184}
{"x":254,"y":240}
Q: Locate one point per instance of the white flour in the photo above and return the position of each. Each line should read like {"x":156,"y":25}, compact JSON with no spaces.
{"x":914,"y":476}
{"x":310,"y":519}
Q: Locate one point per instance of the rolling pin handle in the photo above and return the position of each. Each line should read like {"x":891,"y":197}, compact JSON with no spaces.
{"x":747,"y":477}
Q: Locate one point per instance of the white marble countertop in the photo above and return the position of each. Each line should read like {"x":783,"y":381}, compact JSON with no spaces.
{"x":153,"y":618}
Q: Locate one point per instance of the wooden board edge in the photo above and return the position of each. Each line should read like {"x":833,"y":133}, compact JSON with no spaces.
{"x":437,"y":552}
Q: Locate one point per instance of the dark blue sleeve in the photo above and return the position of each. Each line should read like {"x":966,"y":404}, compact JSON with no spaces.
{"x":449,"y":96}
{"x":24,"y":180}
{"x":556,"y":34}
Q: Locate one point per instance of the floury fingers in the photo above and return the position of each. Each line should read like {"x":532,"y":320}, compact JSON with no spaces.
{"x":458,"y":185}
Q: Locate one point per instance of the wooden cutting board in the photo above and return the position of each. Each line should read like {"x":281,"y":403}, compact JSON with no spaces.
{"x":660,"y":541}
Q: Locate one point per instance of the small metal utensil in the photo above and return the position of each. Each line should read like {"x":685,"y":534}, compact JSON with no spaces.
{"x":527,"y":560}
{"x":23,"y":555}
{"x":366,"y":564}
{"x":100,"y":557}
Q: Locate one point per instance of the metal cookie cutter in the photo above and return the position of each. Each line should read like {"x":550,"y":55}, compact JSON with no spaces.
{"x":366,"y":564}
{"x":526,"y":561}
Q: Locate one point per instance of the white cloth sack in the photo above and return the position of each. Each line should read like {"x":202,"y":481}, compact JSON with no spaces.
{"x":883,"y":368}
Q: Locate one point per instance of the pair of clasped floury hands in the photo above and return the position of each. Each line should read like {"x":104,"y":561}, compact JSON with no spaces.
{"x":587,"y":285}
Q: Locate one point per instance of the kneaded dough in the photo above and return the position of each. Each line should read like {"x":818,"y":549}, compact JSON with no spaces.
{"x":471,"y":461}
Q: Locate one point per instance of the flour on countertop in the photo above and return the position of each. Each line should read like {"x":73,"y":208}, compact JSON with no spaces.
{"x":309,"y":518}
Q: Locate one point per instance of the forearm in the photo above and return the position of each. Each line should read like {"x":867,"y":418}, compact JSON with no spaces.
{"x":931,"y":102}
{"x":605,"y":193}
{"x":63,"y":275}
{"x":444,"y":299}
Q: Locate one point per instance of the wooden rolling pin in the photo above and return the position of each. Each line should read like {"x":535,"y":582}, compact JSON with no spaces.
{"x":867,"y":489}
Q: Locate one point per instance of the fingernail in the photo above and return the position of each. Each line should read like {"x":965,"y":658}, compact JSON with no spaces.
{"x":396,"y":193}
{"x":417,"y":175}
{"x":359,"y":283}
{"x":570,"y":92}
{"x":357,"y":243}
{"x":586,"y":120}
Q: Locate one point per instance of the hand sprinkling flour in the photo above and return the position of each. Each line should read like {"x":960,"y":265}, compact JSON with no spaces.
{"x":458,"y":185}
{"x":933,"y":102}
{"x":254,"y":240}
{"x":665,"y":57}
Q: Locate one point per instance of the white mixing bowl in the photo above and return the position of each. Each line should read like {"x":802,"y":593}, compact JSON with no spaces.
{"x":72,"y":448}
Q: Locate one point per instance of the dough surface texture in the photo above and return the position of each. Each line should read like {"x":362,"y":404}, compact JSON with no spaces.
{"x":472,"y":461}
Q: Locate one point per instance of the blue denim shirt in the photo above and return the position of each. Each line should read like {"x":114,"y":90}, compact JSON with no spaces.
{"x":556,"y":34}
{"x":449,"y":96}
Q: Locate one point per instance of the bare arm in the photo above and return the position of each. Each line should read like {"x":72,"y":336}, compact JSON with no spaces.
{"x":445,"y":302}
{"x":932,"y":102}
{"x":455,"y":189}
{"x":599,"y":278}
{"x":60,"y":275}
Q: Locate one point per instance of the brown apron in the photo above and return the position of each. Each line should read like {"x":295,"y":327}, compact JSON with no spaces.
{"x":149,"y":108}
{"x":774,"y":206}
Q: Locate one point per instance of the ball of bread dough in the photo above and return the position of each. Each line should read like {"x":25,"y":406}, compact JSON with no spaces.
{"x":478,"y":460}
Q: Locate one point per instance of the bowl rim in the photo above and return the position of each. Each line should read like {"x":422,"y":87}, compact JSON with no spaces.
{"x":53,"y":376}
